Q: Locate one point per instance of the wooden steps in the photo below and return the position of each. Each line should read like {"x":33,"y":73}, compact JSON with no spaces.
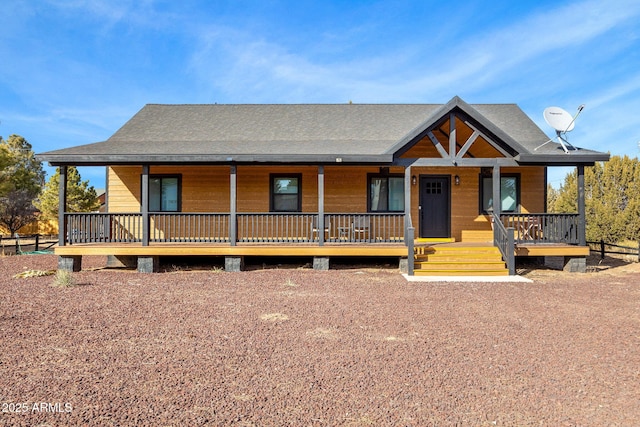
{"x":477,"y":236}
{"x":471,"y":259}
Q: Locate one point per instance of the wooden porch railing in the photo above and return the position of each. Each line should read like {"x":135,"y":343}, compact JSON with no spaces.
{"x":275,"y":227}
{"x":189,"y":227}
{"x":103,"y":227}
{"x":539,"y":228}
{"x":250,"y":227}
{"x":365,"y":228}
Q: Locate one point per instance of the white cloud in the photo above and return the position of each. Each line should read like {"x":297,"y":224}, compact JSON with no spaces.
{"x":88,"y":65}
{"x":243,"y":65}
{"x":553,"y":37}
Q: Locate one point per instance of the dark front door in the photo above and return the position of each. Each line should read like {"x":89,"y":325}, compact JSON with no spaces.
{"x":434,"y":206}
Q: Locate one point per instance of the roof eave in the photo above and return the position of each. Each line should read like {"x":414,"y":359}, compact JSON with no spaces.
{"x":569,"y":159}
{"x":122,"y":159}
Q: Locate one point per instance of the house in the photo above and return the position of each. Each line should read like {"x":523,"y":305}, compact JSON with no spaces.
{"x":417,"y":182}
{"x":102,"y":199}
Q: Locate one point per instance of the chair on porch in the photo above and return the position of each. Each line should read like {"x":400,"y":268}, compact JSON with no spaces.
{"x":361,"y":227}
{"x":315,"y":229}
{"x":531,"y":228}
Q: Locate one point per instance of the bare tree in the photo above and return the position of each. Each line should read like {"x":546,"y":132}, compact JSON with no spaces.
{"x":17,"y":210}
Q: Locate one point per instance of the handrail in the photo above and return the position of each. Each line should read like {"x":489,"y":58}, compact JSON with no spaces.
{"x":503,"y":238}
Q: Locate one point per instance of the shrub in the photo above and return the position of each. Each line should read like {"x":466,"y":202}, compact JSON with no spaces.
{"x":63,"y":279}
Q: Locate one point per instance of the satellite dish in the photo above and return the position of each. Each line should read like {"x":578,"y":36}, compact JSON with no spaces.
{"x":559,"y":119}
{"x":562,"y":122}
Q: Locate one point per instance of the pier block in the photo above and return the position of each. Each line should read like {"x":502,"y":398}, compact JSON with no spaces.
{"x":403,"y":265}
{"x":321,"y":263}
{"x":148,"y":264}
{"x":70,"y":263}
{"x":233,"y":263}
{"x":568,"y":264}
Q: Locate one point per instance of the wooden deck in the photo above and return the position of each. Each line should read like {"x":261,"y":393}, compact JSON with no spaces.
{"x":551,"y":250}
{"x":195,"y":249}
{"x":274,"y":249}
{"x":440,"y":258}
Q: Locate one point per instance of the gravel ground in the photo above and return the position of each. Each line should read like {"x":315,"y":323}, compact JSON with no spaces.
{"x":355,"y":347}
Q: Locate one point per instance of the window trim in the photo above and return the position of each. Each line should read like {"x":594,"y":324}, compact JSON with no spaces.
{"x":272,"y":193}
{"x":371,"y":176}
{"x":504,"y":175}
{"x":163,"y":176}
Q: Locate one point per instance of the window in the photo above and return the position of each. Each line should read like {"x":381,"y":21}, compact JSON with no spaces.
{"x":509,"y":193}
{"x":164,"y":193}
{"x":286,"y":193}
{"x":386,"y":193}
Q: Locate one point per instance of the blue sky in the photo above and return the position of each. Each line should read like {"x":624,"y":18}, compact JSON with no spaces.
{"x":73,"y":71}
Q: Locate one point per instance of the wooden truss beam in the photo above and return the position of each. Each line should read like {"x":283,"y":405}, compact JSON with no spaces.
{"x":439,"y":147}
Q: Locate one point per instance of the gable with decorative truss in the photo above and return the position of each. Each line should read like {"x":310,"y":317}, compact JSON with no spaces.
{"x":455,"y":137}
{"x":456,"y":134}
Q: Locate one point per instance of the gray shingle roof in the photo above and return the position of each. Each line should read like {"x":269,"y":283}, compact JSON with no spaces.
{"x":286,"y":132}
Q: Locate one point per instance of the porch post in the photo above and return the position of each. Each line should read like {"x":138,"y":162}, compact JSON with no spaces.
{"x":497,"y":205}
{"x":409,"y":229}
{"x":582,"y":229}
{"x":62,"y":206}
{"x":233,"y":222}
{"x":407,"y":200}
{"x":320,"y":205}
{"x":144,"y":205}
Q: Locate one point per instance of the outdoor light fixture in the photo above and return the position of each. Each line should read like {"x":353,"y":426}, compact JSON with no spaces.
{"x":414,"y":180}
{"x":457,"y":180}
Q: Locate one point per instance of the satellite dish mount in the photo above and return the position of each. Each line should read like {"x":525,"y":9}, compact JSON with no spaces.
{"x":562,"y":122}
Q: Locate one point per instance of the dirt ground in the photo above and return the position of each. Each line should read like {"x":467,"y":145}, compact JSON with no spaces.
{"x":296,"y":347}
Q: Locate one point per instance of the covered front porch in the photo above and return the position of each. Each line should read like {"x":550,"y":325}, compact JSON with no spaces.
{"x":234,"y":234}
{"x":317,"y":230}
{"x":143,"y":240}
